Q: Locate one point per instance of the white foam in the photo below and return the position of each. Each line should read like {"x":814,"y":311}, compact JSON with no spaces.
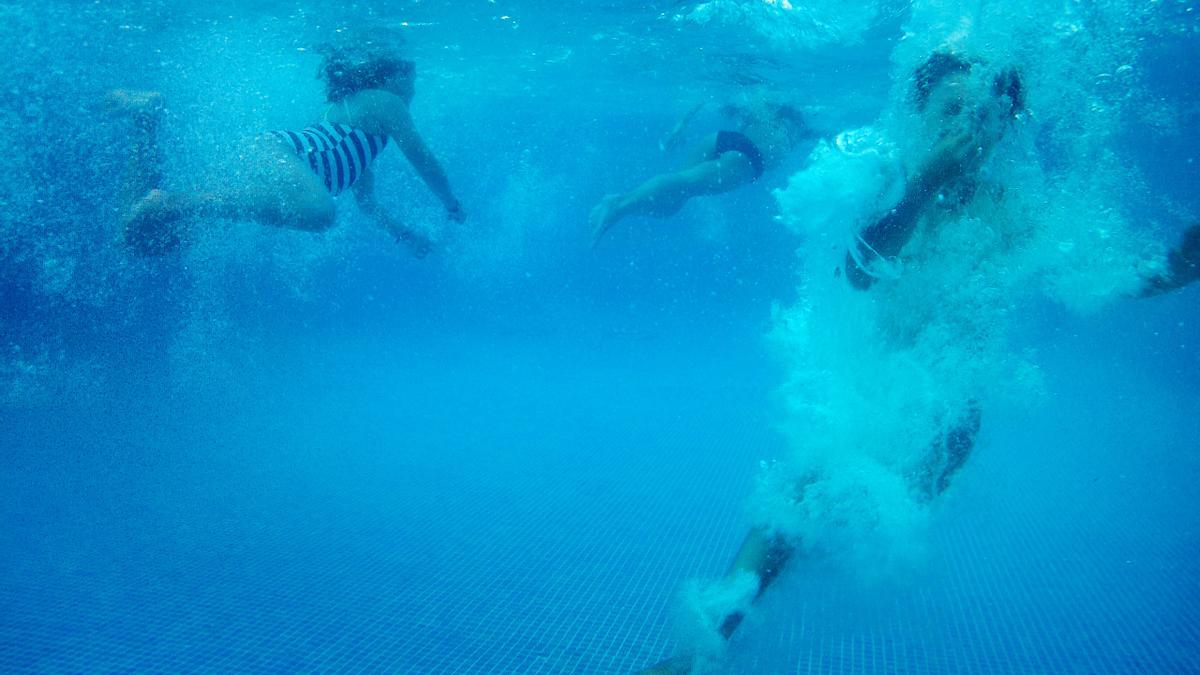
{"x":874,"y":379}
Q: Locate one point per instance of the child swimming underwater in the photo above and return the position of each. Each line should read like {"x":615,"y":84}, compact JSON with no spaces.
{"x":291,"y":178}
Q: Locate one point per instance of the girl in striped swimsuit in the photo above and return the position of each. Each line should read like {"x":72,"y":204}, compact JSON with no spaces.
{"x":290,"y":178}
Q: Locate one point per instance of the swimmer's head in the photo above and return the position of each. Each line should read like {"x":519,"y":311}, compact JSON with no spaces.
{"x":345,"y":72}
{"x":792,"y":121}
{"x":947,"y":89}
{"x":761,"y":107}
{"x":940,"y":70}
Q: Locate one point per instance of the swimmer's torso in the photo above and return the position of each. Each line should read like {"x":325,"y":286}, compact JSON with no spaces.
{"x":343,"y":145}
{"x":771,"y":138}
{"x":337,"y":154}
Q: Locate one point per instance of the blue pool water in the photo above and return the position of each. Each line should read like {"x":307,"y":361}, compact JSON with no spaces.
{"x":281,"y":451}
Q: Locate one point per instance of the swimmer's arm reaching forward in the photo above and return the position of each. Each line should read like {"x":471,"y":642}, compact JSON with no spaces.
{"x":401,"y":128}
{"x":364,"y":194}
{"x":672,"y":138}
{"x":383,"y":112}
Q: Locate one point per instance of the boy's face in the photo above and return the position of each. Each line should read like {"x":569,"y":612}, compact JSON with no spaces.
{"x":948,"y":108}
{"x":960,"y":104}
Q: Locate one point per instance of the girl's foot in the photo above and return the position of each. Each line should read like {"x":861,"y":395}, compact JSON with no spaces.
{"x":150,"y":225}
{"x":134,"y":102}
{"x":144,"y":108}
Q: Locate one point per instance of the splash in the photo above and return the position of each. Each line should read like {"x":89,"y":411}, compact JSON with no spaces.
{"x":874,"y":380}
{"x":703,"y":608}
{"x":528,"y":209}
{"x":787,"y":26}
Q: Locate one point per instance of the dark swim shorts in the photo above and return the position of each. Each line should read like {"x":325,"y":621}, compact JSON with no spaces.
{"x":734,"y":141}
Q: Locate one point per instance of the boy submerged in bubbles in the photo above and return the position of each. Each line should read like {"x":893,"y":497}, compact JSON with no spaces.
{"x":963,"y":110}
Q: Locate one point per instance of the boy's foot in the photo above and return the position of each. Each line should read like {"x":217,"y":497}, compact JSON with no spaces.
{"x":676,"y":665}
{"x":1185,"y":261}
{"x":602,"y":217}
{"x":1183,"y":266}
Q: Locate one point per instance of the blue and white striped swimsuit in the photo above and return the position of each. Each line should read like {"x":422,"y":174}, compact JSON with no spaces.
{"x":336,"y":153}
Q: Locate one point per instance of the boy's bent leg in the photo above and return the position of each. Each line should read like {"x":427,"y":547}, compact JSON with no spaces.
{"x":664,"y":195}
{"x":762,"y":554}
{"x":1183,"y":266}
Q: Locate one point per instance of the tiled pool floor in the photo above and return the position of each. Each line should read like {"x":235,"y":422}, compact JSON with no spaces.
{"x":504,"y":528}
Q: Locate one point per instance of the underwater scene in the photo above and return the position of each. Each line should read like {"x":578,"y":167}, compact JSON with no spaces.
{"x":518,"y":336}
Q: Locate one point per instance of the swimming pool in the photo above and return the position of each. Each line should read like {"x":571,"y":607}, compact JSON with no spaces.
{"x":283,"y":451}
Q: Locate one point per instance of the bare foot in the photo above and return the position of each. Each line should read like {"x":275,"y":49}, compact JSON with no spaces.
{"x":676,"y":665}
{"x":149,"y":225}
{"x":1187,"y":260}
{"x":602,"y":217}
{"x":143,"y":104}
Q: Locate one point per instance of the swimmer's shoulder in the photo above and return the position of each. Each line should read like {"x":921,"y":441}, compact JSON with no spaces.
{"x":379,"y":112}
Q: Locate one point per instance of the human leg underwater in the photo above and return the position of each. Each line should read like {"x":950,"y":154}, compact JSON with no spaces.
{"x":664,"y":195}
{"x":765,"y":554}
{"x":269,"y":185}
{"x":1182,"y":267}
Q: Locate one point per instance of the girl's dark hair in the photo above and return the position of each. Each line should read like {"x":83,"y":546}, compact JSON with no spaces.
{"x":344,"y":76}
{"x":936,"y":68}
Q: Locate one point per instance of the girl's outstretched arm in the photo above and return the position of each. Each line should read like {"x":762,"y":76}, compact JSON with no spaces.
{"x":364,"y":194}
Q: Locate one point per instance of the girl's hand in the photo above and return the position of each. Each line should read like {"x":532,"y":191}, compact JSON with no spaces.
{"x":455,"y":213}
{"x":417,"y":243}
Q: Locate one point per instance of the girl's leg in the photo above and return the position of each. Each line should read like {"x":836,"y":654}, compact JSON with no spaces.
{"x":143,"y":169}
{"x":271,"y":187}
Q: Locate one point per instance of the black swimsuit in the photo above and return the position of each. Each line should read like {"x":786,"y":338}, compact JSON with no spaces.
{"x":735,"y":141}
